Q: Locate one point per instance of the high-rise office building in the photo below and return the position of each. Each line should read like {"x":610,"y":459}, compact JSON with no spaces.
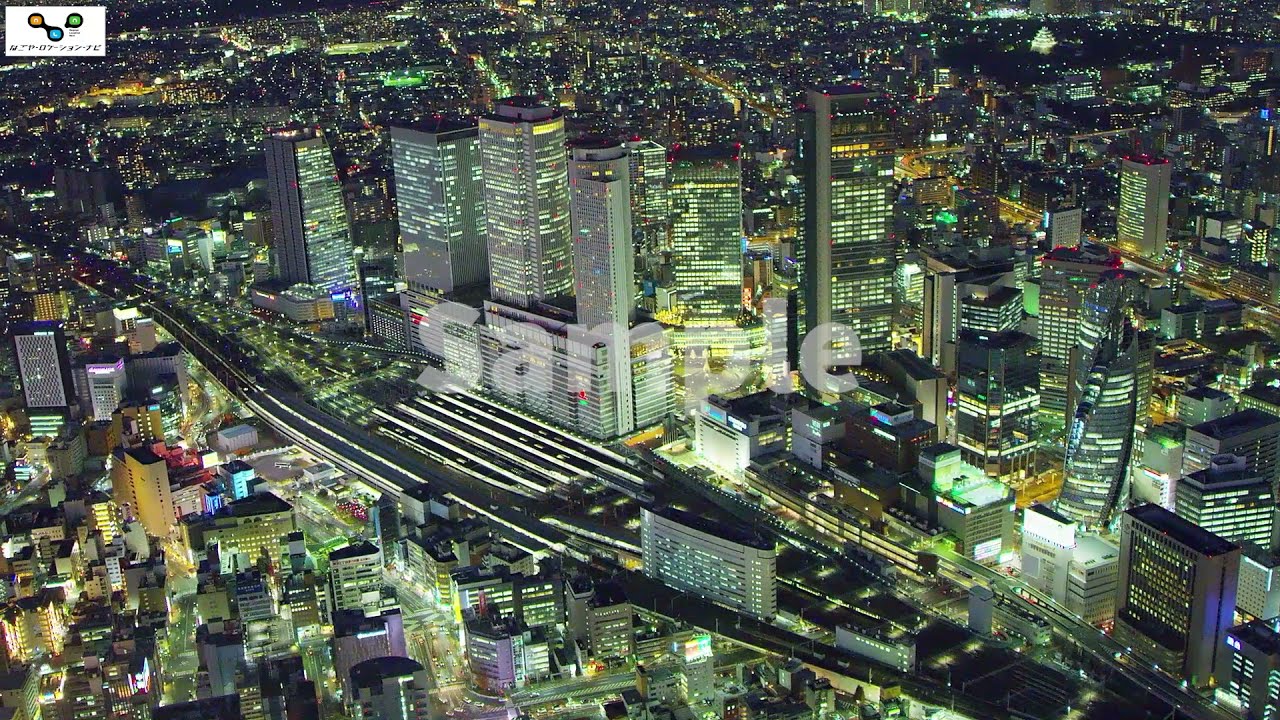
{"x":526,"y":195}
{"x":650,"y":206}
{"x":102,"y":387}
{"x":1142,"y":219}
{"x":1177,"y":594}
{"x":1111,"y":371}
{"x":308,"y":215}
{"x":1228,"y":500}
{"x":729,"y":565}
{"x":997,"y":402}
{"x":440,"y":205}
{"x":44,"y":367}
{"x":962,"y":292}
{"x":1255,"y":667}
{"x":355,"y":578}
{"x":706,"y":234}
{"x":604,"y":258}
{"x":1064,"y":226}
{"x":390,"y":688}
{"x":140,"y":483}
{"x":845,"y":156}
{"x":1251,"y":434}
{"x":1066,"y":276}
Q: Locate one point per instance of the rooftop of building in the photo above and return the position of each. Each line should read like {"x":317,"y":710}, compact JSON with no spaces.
{"x":1180,"y":530}
{"x":1237,"y":423}
{"x":1092,"y":550}
{"x":143,"y":455}
{"x":439,"y":125}
{"x":1003,"y":340}
{"x":1204,"y":392}
{"x":360,"y":549}
{"x":237,"y":431}
{"x":912,"y":364}
{"x":756,"y":405}
{"x":980,"y":491}
{"x":1262,"y":635}
{"x":1264,"y":392}
{"x":372,"y":672}
{"x":1054,"y":515}
{"x":1086,"y":253}
{"x":701,"y":523}
{"x":704,"y":153}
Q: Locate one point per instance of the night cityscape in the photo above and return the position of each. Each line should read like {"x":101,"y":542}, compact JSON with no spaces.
{"x":640,"y":360}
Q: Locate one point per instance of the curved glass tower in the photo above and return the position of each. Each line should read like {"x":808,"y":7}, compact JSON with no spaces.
{"x":1110,"y":366}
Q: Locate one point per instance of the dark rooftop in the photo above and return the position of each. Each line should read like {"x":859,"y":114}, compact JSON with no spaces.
{"x":372,"y":672}
{"x":361,"y":549}
{"x":734,"y":533}
{"x":1259,"y":634}
{"x":1182,"y":531}
{"x":1237,"y":423}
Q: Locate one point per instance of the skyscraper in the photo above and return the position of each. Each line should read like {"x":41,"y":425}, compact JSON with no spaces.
{"x":1251,"y":434}
{"x":1111,"y":375}
{"x":603,"y":257}
{"x":1066,"y":276}
{"x":1228,"y":500}
{"x":1177,"y":594}
{"x":650,"y":206}
{"x":706,"y":233}
{"x":997,"y":402}
{"x":440,"y":204}
{"x":600,"y":205}
{"x":308,"y":213}
{"x":44,"y":367}
{"x":526,"y":193}
{"x":845,"y":156}
{"x":1142,"y":219}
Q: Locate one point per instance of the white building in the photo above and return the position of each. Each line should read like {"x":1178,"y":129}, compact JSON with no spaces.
{"x":603,"y":258}
{"x":103,"y":388}
{"x":235,"y":438}
{"x":390,"y":688}
{"x":1048,"y":542}
{"x":1093,"y":579}
{"x":722,"y":563}
{"x":1258,"y":590}
{"x":355,"y":577}
{"x":730,"y":433}
{"x":299,"y":303}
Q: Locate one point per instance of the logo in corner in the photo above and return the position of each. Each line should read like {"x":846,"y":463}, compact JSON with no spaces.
{"x":55,"y":31}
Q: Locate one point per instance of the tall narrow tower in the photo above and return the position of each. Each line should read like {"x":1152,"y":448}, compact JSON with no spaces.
{"x":1111,"y":376}
{"x":600,"y":203}
{"x":603,"y":260}
{"x":1142,"y":219}
{"x":526,"y":192}
{"x":440,"y":205}
{"x":1066,"y":277}
{"x":706,"y":233}
{"x":308,"y":214}
{"x":845,"y":155}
